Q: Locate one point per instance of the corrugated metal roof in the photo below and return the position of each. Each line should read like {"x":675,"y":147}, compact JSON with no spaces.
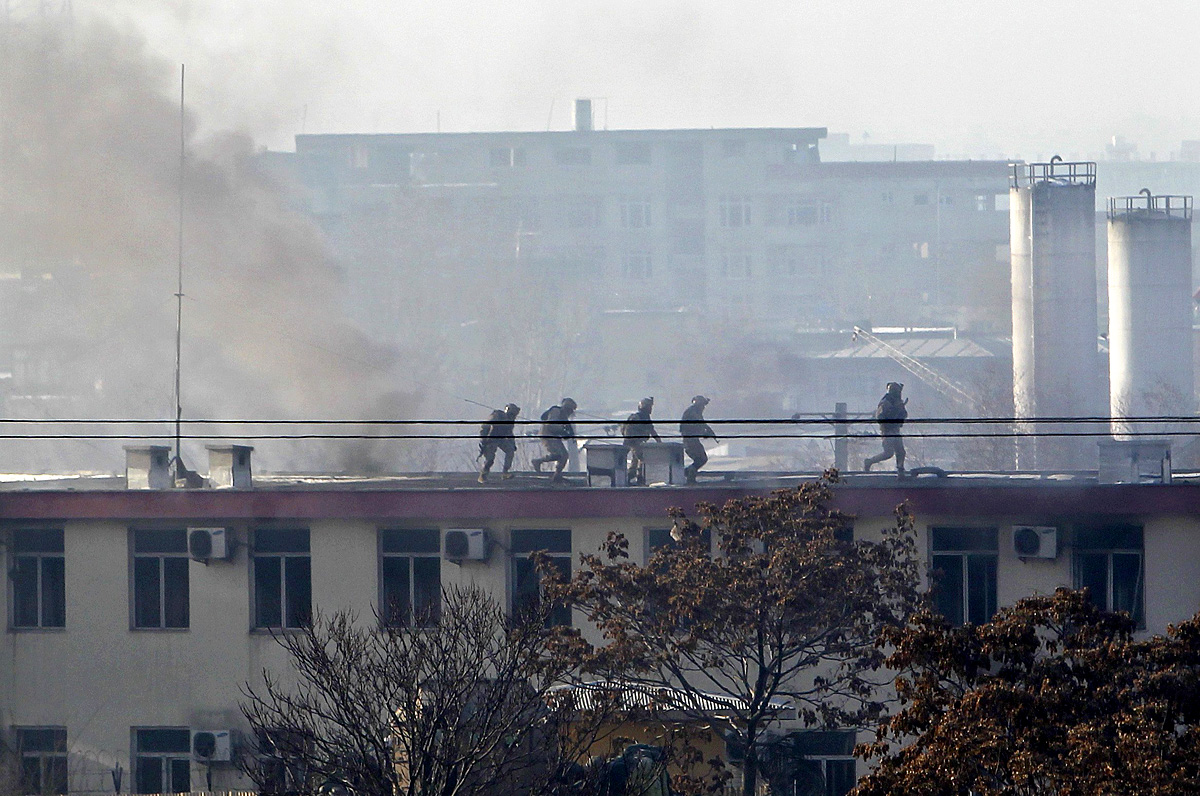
{"x":916,"y":347}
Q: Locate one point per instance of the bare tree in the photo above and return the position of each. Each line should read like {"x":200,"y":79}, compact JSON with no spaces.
{"x":464,"y":705}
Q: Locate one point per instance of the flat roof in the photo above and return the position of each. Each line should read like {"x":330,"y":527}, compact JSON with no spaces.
{"x":457,"y":498}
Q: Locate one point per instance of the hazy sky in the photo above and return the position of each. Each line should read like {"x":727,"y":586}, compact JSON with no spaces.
{"x":974,"y":77}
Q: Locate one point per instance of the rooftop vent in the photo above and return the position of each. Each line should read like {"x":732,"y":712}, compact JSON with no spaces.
{"x":148,"y":467}
{"x":583,"y":115}
{"x":229,"y":467}
{"x":1136,"y":461}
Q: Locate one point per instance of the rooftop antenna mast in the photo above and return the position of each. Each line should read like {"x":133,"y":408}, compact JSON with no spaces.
{"x":179,"y":468}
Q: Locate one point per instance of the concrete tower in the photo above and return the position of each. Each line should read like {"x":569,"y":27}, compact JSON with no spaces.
{"x":1150,"y":310}
{"x":1055,"y":361}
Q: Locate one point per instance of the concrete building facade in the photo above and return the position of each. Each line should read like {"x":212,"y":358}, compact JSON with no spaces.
{"x":120,"y":644}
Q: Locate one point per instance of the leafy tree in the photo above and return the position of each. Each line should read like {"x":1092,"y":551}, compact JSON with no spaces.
{"x":1053,"y":696}
{"x":782,"y":618}
{"x":464,"y":705}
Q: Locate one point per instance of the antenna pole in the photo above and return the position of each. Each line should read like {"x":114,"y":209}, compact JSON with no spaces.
{"x":179,"y":290}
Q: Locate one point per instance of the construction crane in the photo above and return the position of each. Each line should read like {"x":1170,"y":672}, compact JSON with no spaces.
{"x":947,"y":387}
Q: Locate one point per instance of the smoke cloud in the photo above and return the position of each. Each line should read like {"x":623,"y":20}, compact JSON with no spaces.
{"x":89,"y":241}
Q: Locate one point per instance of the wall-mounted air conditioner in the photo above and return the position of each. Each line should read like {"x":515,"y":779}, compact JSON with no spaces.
{"x":467,"y":544}
{"x":210,"y":544}
{"x":1035,"y":541}
{"x":212,"y":746}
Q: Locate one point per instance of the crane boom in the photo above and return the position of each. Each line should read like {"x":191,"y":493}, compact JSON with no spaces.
{"x":947,"y":387}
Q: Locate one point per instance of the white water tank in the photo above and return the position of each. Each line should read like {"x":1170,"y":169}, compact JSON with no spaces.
{"x":1149,"y":311}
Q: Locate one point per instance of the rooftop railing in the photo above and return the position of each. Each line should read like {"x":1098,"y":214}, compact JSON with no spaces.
{"x":1148,"y":205}
{"x":1026,"y":175}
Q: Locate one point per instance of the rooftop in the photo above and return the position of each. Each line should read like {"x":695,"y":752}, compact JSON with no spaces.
{"x":456,"y":496}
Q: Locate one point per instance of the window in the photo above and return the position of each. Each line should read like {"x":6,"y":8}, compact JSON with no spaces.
{"x":635,"y":212}
{"x":160,"y":579}
{"x":921,"y":250}
{"x":38,"y":575}
{"x":945,"y":200}
{"x":527,"y":587}
{"x":921,"y":199}
{"x":964,"y":571}
{"x":282,"y":578}
{"x":506,"y":157}
{"x":801,"y":215}
{"x":43,"y":754}
{"x":984,"y":202}
{"x":410,"y":577}
{"x":886,"y":197}
{"x":638,"y":265}
{"x":735,"y":265}
{"x":825,"y":764}
{"x":657,"y":538}
{"x":632,"y":153}
{"x":162,"y":760}
{"x":734,"y":211}
{"x":1108,"y":563}
{"x":573,"y":156}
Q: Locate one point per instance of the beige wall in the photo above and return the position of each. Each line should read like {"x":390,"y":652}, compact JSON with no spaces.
{"x":99,"y":678}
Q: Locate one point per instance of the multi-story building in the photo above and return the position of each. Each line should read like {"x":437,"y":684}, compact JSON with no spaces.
{"x":120,"y":643}
{"x":743,"y":225}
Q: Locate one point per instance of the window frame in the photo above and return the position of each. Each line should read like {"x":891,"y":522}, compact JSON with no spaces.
{"x":985,"y":552}
{"x":409,"y":556}
{"x":41,"y":561}
{"x":1081,"y":547}
{"x":637,"y":212}
{"x":735,"y":211}
{"x":166,"y":771}
{"x":285,"y":557}
{"x":44,"y":757}
{"x":561,"y":615}
{"x":160,"y":557}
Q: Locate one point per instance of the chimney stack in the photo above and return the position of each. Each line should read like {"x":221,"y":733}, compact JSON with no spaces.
{"x":583,"y":116}
{"x":148,"y":467}
{"x":229,"y":467}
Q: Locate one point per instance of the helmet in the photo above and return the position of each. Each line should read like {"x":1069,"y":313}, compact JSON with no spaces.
{"x":646,"y":403}
{"x":569,"y":403}
{"x":699,"y":399}
{"x":512,"y":410}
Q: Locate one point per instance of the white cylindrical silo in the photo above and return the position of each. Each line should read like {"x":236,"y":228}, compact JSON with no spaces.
{"x":1149,"y":310}
{"x":1055,"y":361}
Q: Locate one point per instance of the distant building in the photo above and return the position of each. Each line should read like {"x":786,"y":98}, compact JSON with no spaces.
{"x":747,"y":226}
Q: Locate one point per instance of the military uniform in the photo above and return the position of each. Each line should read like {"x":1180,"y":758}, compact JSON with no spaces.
{"x":694,"y":429}
{"x":637,"y":431}
{"x":556,"y":429}
{"x":890,"y":414}
{"x":495,"y":434}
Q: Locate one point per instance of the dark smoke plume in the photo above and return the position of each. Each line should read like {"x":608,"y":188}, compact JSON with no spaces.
{"x":89,"y":204}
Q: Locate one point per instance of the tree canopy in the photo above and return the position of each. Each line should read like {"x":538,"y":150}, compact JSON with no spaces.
{"x":1053,"y":696}
{"x":766,"y":604}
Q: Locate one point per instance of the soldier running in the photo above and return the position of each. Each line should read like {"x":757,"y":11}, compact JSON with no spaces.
{"x":496,"y":433}
{"x":556,"y":428}
{"x":890,"y":414}
{"x":694,"y":429}
{"x":637,"y":431}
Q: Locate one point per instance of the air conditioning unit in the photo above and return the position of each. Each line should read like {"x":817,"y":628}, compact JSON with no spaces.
{"x":212,"y":746}
{"x":210,"y":544}
{"x":467,"y":544}
{"x":1035,"y":541}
